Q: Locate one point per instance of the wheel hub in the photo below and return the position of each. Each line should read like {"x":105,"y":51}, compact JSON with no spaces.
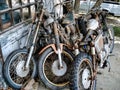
{"x":59,"y":71}
{"x":20,"y":69}
{"x":85,"y":78}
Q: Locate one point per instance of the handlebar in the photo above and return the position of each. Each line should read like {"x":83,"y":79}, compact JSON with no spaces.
{"x":95,"y":12}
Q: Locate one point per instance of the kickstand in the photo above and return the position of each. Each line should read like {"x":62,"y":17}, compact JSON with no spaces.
{"x":109,"y":65}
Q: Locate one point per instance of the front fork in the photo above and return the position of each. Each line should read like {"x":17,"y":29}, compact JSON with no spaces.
{"x":93,"y":56}
{"x":111,"y":36}
{"x":59,"y":51}
{"x":34,"y":40}
{"x":94,"y":62}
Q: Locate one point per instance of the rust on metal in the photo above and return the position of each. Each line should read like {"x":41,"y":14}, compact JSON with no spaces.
{"x":51,"y":45}
{"x":1,"y":55}
{"x":54,"y":47}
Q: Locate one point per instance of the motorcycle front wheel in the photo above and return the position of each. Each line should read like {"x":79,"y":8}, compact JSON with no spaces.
{"x":51,"y":75}
{"x":14,"y":72}
{"x":81,"y":74}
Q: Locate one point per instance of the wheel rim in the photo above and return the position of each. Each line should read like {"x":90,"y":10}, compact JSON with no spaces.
{"x":85,"y":74}
{"x":15,"y":75}
{"x":51,"y":76}
{"x":21,"y":72}
{"x":59,"y":71}
{"x":85,"y":78}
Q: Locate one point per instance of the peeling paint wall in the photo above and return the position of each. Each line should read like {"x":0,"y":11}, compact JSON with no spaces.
{"x":13,"y":39}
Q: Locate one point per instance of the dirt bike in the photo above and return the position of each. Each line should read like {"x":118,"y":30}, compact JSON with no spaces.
{"x":56,"y":58}
{"x":20,"y":65}
{"x":94,"y":48}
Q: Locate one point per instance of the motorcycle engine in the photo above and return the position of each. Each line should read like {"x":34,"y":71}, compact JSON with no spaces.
{"x":45,"y":34}
{"x":71,"y":33}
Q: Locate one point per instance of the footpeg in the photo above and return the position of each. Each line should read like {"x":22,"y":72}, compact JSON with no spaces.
{"x":111,"y":55}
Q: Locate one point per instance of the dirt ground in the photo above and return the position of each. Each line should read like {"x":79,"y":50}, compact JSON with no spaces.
{"x":111,"y":80}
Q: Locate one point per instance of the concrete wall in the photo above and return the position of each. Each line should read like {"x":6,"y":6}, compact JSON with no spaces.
{"x":13,"y":39}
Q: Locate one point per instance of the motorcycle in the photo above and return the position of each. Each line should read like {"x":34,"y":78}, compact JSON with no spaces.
{"x":95,"y":47}
{"x":20,"y":65}
{"x":56,"y":58}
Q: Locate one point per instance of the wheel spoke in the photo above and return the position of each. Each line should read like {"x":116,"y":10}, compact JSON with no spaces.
{"x":17,"y":61}
{"x":50,"y":61}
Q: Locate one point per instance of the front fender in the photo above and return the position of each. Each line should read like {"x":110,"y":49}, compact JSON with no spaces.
{"x":53,"y":46}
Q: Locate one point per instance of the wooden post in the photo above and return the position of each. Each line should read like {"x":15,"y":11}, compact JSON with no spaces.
{"x":77,"y":6}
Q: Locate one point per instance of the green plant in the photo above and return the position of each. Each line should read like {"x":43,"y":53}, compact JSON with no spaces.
{"x":117,"y":30}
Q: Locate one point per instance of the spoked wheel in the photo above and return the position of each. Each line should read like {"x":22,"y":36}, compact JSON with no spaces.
{"x":81,"y":76}
{"x":14,"y":72}
{"x":50,"y":73}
